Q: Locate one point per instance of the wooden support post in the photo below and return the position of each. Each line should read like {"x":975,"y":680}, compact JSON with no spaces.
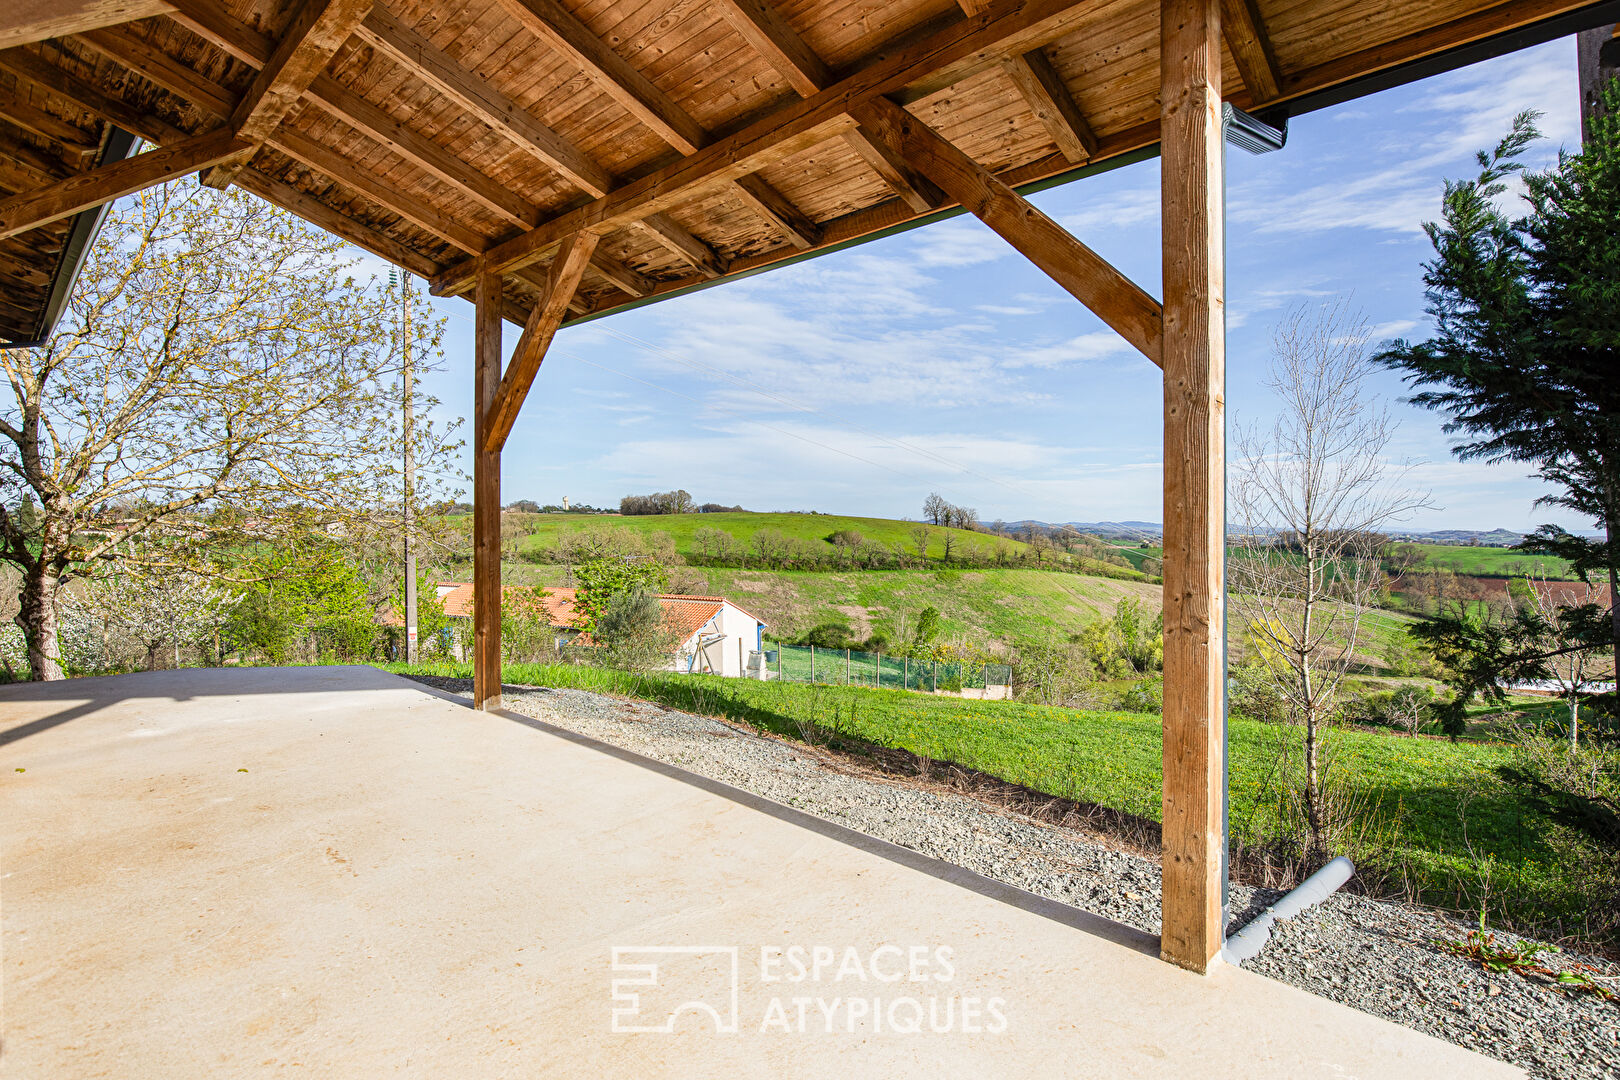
{"x":1194,"y":352}
{"x":486,"y":497}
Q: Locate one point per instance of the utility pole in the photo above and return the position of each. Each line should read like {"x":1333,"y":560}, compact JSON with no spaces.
{"x":1597,"y":60}
{"x":408,"y":425}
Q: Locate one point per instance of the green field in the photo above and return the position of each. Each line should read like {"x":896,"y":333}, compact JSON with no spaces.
{"x":1004,"y":605}
{"x":1424,"y":800}
{"x":546,"y":529}
{"x":1492,"y":562}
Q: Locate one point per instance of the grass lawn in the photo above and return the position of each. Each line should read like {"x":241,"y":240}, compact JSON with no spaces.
{"x":1424,"y":801}
{"x":1493,"y":562}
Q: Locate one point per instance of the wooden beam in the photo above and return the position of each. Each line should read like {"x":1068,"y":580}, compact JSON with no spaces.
{"x":1194,"y":483}
{"x":1246,"y":36}
{"x":770,"y":35}
{"x":92,"y":99}
{"x":23,"y":22}
{"x":694,"y":252}
{"x":1049,"y":99}
{"x":770,"y":204}
{"x":253,"y":48}
{"x":384,"y":31}
{"x":1114,"y":298}
{"x":159,"y":68}
{"x":636,"y":94}
{"x":317,"y":31}
{"x":486,"y":497}
{"x":565,"y":34}
{"x":44,"y":124}
{"x":937,"y":59}
{"x":300,"y":147}
{"x":76,"y":193}
{"x":561,"y":283}
{"x":630,"y":280}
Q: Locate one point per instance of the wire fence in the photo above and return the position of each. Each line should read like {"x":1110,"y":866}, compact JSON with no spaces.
{"x":851,"y":667}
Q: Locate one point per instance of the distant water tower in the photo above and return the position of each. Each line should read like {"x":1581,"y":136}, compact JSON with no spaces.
{"x":565,"y":502}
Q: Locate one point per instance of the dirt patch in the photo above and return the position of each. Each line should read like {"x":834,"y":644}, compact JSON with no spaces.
{"x":860,"y":618}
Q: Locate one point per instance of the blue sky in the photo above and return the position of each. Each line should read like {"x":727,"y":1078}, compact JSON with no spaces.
{"x":941,"y":360}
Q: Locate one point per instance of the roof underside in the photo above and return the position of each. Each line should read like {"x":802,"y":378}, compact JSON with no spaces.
{"x":437,"y":133}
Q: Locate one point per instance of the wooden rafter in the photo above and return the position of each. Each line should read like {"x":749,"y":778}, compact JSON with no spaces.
{"x":307,"y":46}
{"x":1114,"y":298}
{"x":67,"y":197}
{"x":92,"y":100}
{"x":565,"y":34}
{"x":1246,"y":36}
{"x":561,"y":283}
{"x":25,"y":21}
{"x":636,"y":94}
{"x":1043,"y":91}
{"x":383,"y":30}
{"x":253,"y":48}
{"x":763,"y":28}
{"x":300,"y":147}
{"x":681,"y":243}
{"x":938,"y":59}
{"x":20,"y":113}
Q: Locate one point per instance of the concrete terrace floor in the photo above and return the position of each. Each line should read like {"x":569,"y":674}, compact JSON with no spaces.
{"x":333,"y":872}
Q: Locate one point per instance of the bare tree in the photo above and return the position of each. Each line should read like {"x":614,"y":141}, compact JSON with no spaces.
{"x":1309,"y":495}
{"x":919,"y":538}
{"x":936,"y":509}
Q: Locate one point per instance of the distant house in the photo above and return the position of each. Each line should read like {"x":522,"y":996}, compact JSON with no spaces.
{"x":716,"y":637}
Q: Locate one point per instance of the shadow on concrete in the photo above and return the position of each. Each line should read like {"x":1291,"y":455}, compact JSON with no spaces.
{"x":182,"y":684}
{"x":1096,"y":925}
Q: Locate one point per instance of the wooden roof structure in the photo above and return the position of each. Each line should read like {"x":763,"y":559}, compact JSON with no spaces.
{"x":434,"y":134}
{"x":554,"y":160}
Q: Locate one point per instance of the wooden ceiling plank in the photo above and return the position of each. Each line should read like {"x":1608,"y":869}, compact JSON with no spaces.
{"x":1042,"y":88}
{"x":45,"y":125}
{"x":1113,"y":297}
{"x":1246,"y":36}
{"x":299,"y":146}
{"x":90,"y":189}
{"x":383,"y":129}
{"x":383,"y":31}
{"x":49,"y":77}
{"x":631,"y":281}
{"x":316,"y":33}
{"x":770,"y":204}
{"x":253,"y":48}
{"x":962,"y":48}
{"x":23,"y":22}
{"x":763,"y":28}
{"x":759,"y":24}
{"x":161,"y":69}
{"x":685,"y":246}
{"x":562,"y":282}
{"x":555,"y":25}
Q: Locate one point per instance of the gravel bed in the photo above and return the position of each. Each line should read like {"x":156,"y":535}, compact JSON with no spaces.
{"x":1375,"y":956}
